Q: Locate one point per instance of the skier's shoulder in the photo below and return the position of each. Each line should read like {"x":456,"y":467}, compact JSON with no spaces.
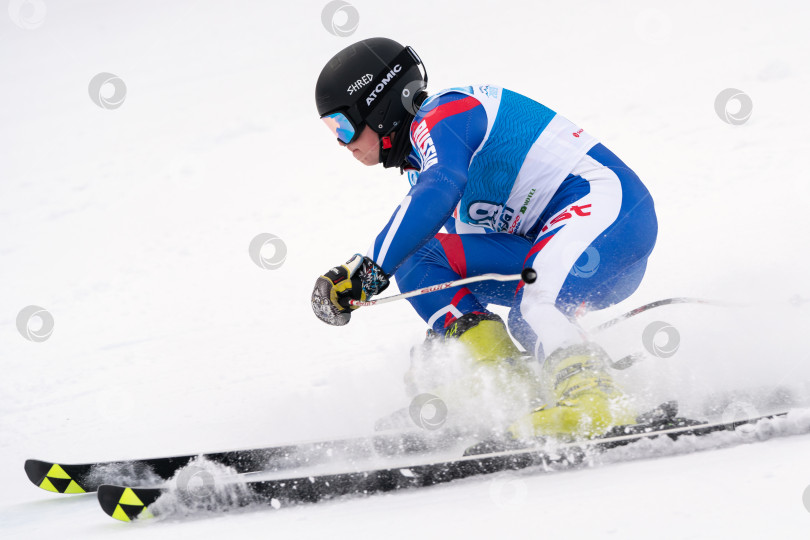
{"x":489,"y":96}
{"x":458,"y":108}
{"x":497,"y":99}
{"x":480,"y":101}
{"x":447,"y":102}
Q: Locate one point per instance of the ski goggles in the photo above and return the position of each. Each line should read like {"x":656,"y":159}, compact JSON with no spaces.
{"x":341,"y":127}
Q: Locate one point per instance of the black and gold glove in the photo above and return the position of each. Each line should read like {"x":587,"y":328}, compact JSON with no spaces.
{"x":359,"y":279}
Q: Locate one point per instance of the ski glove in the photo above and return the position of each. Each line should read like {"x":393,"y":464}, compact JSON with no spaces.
{"x":359,"y":279}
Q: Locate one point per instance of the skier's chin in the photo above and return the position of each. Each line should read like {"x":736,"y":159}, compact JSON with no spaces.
{"x":367,"y":159}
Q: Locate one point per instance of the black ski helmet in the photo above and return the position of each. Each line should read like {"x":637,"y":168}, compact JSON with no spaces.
{"x":375,"y":82}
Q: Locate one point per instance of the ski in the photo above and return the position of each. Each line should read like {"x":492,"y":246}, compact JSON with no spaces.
{"x":87,"y":477}
{"x":135,"y":503}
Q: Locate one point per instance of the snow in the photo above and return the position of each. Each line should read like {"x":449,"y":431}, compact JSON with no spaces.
{"x":131,"y":227}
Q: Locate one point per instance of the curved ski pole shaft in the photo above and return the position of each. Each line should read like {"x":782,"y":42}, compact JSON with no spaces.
{"x":631,"y":359}
{"x":528,"y":275}
{"x":658,"y":303}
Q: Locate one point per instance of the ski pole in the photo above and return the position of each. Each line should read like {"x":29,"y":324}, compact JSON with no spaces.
{"x":528,"y":275}
{"x":658,"y":303}
{"x":631,"y":359}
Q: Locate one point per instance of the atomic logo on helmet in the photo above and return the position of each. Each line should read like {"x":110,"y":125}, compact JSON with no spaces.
{"x":380,"y":87}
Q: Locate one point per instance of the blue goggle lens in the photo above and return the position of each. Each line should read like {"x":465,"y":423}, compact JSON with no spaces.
{"x":340,"y":126}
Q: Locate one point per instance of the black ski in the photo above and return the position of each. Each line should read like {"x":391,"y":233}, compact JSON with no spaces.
{"x":87,"y":477}
{"x":132,"y":503}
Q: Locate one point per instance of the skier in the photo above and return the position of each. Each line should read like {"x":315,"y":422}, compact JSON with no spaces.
{"x":515,"y":185}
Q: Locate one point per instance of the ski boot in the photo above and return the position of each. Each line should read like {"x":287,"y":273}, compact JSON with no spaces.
{"x":485,"y":338}
{"x":587,"y":401}
{"x":474,"y":358}
{"x":663,"y":417}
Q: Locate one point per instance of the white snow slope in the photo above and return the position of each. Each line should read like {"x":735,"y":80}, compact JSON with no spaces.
{"x":131,"y":227}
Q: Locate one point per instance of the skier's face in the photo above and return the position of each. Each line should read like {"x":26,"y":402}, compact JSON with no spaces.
{"x":366,"y":147}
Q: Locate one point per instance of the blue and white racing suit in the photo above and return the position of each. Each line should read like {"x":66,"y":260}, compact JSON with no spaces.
{"x":515,"y":185}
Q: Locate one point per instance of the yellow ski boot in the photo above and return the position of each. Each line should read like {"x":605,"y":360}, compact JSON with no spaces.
{"x":497,"y":366}
{"x":485,"y":338}
{"x":588,"y":402}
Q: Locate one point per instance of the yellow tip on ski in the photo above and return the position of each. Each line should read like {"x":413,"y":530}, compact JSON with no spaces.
{"x":120,"y":514}
{"x":47,"y":486}
{"x":58,"y":472}
{"x":129,"y":497}
{"x":73,"y":487}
